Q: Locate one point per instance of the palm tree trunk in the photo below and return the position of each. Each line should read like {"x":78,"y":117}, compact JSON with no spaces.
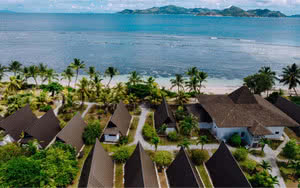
{"x":77,"y":72}
{"x":295,"y":91}
{"x":36,"y":83}
{"x":109,"y":82}
{"x":69,"y":82}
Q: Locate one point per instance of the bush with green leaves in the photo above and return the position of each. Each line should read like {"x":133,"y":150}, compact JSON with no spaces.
{"x":121,"y":155}
{"x":248,"y":166}
{"x":91,"y":132}
{"x":163,"y":158}
{"x":45,"y":108}
{"x":10,"y":151}
{"x":180,"y":113}
{"x":240,"y":154}
{"x":235,"y":140}
{"x":263,"y":179}
{"x":291,"y":150}
{"x":173,"y":136}
{"x":123,"y":140}
{"x":199,"y":156}
{"x":149,"y":132}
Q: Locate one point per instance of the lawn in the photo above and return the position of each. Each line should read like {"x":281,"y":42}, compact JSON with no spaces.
{"x":275,"y":144}
{"x":118,"y":175}
{"x":204,"y":176}
{"x":257,"y":153}
{"x":96,"y":113}
{"x":291,"y":134}
{"x":111,"y":148}
{"x":150,"y":119}
{"x":86,"y":152}
{"x":287,"y":174}
{"x":132,"y":130}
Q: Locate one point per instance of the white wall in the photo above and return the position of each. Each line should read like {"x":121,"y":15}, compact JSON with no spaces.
{"x":108,"y":138}
{"x":7,"y":139}
{"x":168,"y":130}
{"x":203,"y":125}
{"x":279,"y":130}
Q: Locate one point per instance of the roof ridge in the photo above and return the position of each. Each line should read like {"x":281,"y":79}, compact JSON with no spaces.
{"x":166,"y":106}
{"x":140,"y":148}
{"x":191,"y":165}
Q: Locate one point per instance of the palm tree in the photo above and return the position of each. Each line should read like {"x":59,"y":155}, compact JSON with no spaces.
{"x":111,"y":72}
{"x":51,"y":75}
{"x":92,"y":72}
{"x":266,"y":165}
{"x":13,"y":85}
{"x":33,"y":71}
{"x":83,"y":89}
{"x":192,"y":72}
{"x":291,"y":77}
{"x":271,"y":74}
{"x":133,"y":100}
{"x":77,"y":65}
{"x":177,"y":82}
{"x":274,"y":180}
{"x":97,"y":83}
{"x":15,"y":67}
{"x":25,"y":73}
{"x":68,"y":74}
{"x":263,"y":142}
{"x":185,"y":144}
{"x":134,"y":78}
{"x":162,"y":129}
{"x":201,"y":76}
{"x":42,"y":72}
{"x":2,"y":70}
{"x":188,"y":124}
{"x":150,"y":82}
{"x":202,"y":140}
{"x":182,"y":98}
{"x":155,"y":141}
{"x":193,"y":84}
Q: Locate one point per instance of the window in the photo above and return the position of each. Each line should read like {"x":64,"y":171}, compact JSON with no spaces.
{"x":243,"y":134}
{"x":277,"y":132}
{"x":112,"y":135}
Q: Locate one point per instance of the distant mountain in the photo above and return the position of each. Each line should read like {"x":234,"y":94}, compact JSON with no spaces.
{"x":297,"y":15}
{"x":232,"y":11}
{"x":6,"y":11}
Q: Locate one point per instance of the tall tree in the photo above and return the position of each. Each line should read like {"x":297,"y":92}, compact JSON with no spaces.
{"x":134,"y":78}
{"x":177,"y":82}
{"x":150,"y":82}
{"x":92,"y":72}
{"x":34,"y":72}
{"x":83,"y":89}
{"x":2,"y":71}
{"x":185,"y":144}
{"x":192,"y":72}
{"x":258,"y":83}
{"x":265,"y":165}
{"x":68,"y":74}
{"x":182,"y":98}
{"x":201,"y":76}
{"x":77,"y":65}
{"x":15,"y":67}
{"x":42,"y":71}
{"x":13,"y":85}
{"x":111,"y":72}
{"x":26,"y":73}
{"x":155,"y":141}
{"x":51,"y":75}
{"x":193,"y":84}
{"x":291,"y":77}
{"x":263,"y":142}
{"x":271,"y":74}
{"x":202,"y":140}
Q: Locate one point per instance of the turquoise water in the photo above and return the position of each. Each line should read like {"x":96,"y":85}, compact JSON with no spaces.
{"x":158,"y":45}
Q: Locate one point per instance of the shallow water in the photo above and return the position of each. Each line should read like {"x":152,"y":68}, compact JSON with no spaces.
{"x":158,"y":45}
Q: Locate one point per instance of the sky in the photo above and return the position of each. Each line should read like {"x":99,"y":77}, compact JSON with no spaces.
{"x":288,"y":7}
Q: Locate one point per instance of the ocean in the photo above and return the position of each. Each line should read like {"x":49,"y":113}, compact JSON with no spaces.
{"x":157,"y":45}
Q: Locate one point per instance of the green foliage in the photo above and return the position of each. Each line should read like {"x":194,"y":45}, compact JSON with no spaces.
{"x":163,"y":158}
{"x":248,"y":166}
{"x":263,"y":179}
{"x":240,"y":154}
{"x":258,"y":82}
{"x":53,"y":87}
{"x":295,"y":99}
{"x":199,"y":156}
{"x":123,"y":140}
{"x":91,"y":132}
{"x":155,"y":141}
{"x":45,"y":108}
{"x":10,"y":151}
{"x":185,"y":143}
{"x":235,"y":140}
{"x":180,"y":113}
{"x":121,"y":155}
{"x":291,"y":150}
{"x":188,"y":124}
{"x":148,"y":132}
{"x":173,"y":136}
{"x":274,"y":96}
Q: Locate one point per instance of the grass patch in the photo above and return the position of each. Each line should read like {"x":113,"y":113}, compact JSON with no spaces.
{"x":275,"y":144}
{"x":81,"y":161}
{"x":204,"y":176}
{"x":132,"y":130}
{"x":119,"y":175}
{"x":288,"y":174}
{"x":257,"y":153}
{"x":291,"y":134}
{"x":111,"y":148}
{"x":96,"y":113}
{"x":150,"y":119}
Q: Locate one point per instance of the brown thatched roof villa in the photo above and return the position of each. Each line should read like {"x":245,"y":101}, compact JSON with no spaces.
{"x":140,"y":171}
{"x":182,"y":172}
{"x":164,"y":116}
{"x":118,"y":124}
{"x":98,"y":169}
{"x":224,"y":171}
{"x":241,"y":112}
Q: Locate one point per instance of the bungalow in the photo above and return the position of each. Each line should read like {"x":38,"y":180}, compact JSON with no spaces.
{"x":241,"y":112}
{"x":118,"y":124}
{"x":15,"y":124}
{"x":44,"y":130}
{"x":164,"y":116}
{"x":140,"y":171}
{"x":224,"y":171}
{"x":98,"y":169}
{"x":291,"y":109}
{"x":182,"y":172}
{"x":72,"y":133}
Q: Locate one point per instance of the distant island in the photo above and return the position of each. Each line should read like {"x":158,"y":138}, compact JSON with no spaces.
{"x":232,"y":11}
{"x":297,"y":15}
{"x":6,"y":11}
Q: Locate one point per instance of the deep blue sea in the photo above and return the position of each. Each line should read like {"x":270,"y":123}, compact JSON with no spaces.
{"x":159,"y":45}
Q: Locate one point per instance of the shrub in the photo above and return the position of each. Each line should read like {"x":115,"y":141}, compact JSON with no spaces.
{"x":148,"y":132}
{"x":45,"y":108}
{"x":199,"y":156}
{"x":248,"y":166}
{"x":9,"y":151}
{"x":121,"y":155}
{"x":180,"y":113}
{"x":235,"y":140}
{"x":123,"y":140}
{"x":173,"y":136}
{"x":291,"y":150}
{"x":138,"y":111}
{"x":91,"y":132}
{"x":163,"y":158}
{"x":240,"y":154}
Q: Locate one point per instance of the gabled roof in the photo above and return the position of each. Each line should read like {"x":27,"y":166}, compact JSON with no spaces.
{"x":98,"y":169}
{"x":140,"y":170}
{"x":288,"y":107}
{"x":163,"y":114}
{"x":259,"y":130}
{"x":241,"y":111}
{"x":182,"y":172}
{"x":44,"y":129}
{"x":224,"y":170}
{"x":121,"y":118}
{"x":72,"y":132}
{"x":18,"y":122}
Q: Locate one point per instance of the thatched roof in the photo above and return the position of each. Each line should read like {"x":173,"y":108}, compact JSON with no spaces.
{"x":288,"y":107}
{"x":182,"y":172}
{"x":44,"y":129}
{"x":140,"y":170}
{"x":18,"y":122}
{"x":164,"y":115}
{"x":224,"y":170}
{"x":240,"y":109}
{"x":72,"y":132}
{"x":259,"y":130}
{"x":98,"y":169}
{"x":121,"y":119}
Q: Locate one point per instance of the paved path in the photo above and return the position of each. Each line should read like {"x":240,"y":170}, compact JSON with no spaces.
{"x":59,"y":104}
